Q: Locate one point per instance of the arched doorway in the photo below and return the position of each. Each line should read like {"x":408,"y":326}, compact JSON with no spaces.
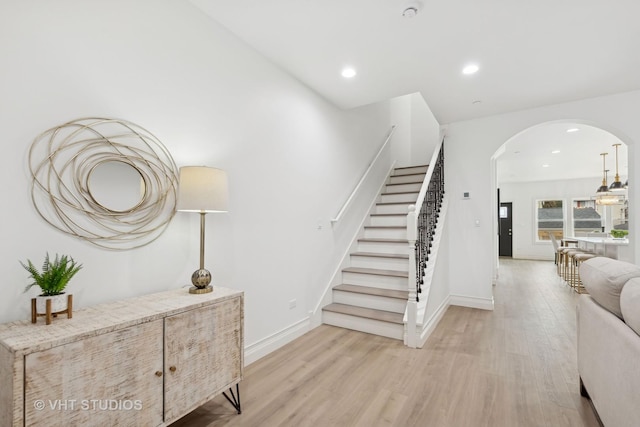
{"x":549,"y":173}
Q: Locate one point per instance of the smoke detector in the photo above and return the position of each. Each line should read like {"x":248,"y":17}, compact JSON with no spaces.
{"x":411,"y":9}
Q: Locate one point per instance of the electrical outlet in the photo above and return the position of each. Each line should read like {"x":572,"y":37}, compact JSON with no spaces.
{"x":292,"y":304}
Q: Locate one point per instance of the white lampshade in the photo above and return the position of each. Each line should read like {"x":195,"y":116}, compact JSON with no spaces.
{"x":202,"y":189}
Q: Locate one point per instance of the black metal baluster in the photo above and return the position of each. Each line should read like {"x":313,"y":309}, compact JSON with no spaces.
{"x":428,"y":220}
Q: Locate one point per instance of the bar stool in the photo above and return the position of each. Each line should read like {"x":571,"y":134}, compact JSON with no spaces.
{"x":560,"y":259}
{"x":563,"y":260}
{"x":557,"y":248}
{"x":568,"y":261}
{"x":577,"y":260}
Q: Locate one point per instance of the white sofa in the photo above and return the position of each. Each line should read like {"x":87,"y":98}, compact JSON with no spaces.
{"x":609,"y":340}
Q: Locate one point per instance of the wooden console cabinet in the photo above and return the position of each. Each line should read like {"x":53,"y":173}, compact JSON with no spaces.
{"x":145,"y":361}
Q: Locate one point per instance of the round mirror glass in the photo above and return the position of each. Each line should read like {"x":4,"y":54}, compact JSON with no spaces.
{"x":116,"y":186}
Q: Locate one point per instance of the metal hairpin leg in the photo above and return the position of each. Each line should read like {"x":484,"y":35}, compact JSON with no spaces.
{"x":235,"y":401}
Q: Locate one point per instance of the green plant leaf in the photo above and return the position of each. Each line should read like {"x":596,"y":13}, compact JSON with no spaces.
{"x":55,"y":275}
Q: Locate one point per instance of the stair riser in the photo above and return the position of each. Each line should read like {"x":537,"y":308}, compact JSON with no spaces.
{"x":385,"y":329}
{"x":384,"y":248}
{"x":402,"y":188}
{"x":412,"y":169}
{"x":375,"y":302}
{"x":375,"y":281}
{"x":380,"y":263}
{"x":385,"y":233}
{"x":393,"y":209}
{"x":399,"y":198}
{"x":389,"y":221}
{"x":402,"y":179}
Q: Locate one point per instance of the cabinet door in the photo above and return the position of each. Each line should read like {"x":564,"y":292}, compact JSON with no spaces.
{"x":203,"y":355}
{"x":113,"y":379}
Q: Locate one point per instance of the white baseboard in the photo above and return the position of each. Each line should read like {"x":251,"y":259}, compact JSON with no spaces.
{"x":432,"y":322}
{"x":471,"y":302}
{"x":259,"y":349}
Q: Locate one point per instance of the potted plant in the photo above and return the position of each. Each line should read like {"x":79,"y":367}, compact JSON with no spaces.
{"x":52,"y":280}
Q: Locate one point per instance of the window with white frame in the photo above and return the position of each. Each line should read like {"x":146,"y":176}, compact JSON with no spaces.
{"x":586,"y":216}
{"x":549,"y":219}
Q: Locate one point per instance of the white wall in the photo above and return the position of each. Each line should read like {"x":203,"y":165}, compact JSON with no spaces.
{"x":469,"y":147}
{"x":291,"y":157}
{"x":418,"y":131}
{"x":524,"y":195}
{"x":440,"y":290}
{"x":425,"y":131}
{"x":401,"y":117}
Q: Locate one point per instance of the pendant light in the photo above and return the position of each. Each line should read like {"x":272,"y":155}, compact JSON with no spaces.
{"x":616,"y":185}
{"x":604,"y":187}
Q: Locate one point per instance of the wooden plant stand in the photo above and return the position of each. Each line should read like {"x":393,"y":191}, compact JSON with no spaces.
{"x":48,"y":313}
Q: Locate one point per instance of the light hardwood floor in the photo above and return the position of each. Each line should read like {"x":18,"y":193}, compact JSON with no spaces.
{"x":514,"y":366}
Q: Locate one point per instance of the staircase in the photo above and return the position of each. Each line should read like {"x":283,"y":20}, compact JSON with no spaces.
{"x":373,"y":295}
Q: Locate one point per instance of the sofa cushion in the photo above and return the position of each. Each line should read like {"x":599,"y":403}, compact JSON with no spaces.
{"x":630,"y":304}
{"x":604,"y":279}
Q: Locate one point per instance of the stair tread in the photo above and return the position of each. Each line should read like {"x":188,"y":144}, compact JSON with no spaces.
{"x":411,"y":167}
{"x":406,"y":179}
{"x":368,"y":290}
{"x":383,"y":240}
{"x":390,"y":186}
{"x":368,"y":313}
{"x":408,"y":174}
{"x":399,"y":192}
{"x":380,"y":255}
{"x":391,"y":227}
{"x":394,"y":203}
{"x":388,"y":214}
{"x":376,"y":271}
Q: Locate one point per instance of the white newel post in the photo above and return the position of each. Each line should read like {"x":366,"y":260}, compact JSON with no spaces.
{"x":412,"y":305}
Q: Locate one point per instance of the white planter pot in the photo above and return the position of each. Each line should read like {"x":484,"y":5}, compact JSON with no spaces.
{"x":58,"y":303}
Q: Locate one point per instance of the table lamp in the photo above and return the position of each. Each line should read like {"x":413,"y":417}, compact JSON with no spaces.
{"x":202,"y":189}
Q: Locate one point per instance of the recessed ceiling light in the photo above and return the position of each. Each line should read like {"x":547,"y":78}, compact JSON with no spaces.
{"x":555,"y":151}
{"x":470,"y":69}
{"x":348,"y":73}
{"x":572,"y":130}
{"x":545,"y":165}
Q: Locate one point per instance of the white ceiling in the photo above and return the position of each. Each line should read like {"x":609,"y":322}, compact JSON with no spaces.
{"x":578,"y":157}
{"x":530,"y":53}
